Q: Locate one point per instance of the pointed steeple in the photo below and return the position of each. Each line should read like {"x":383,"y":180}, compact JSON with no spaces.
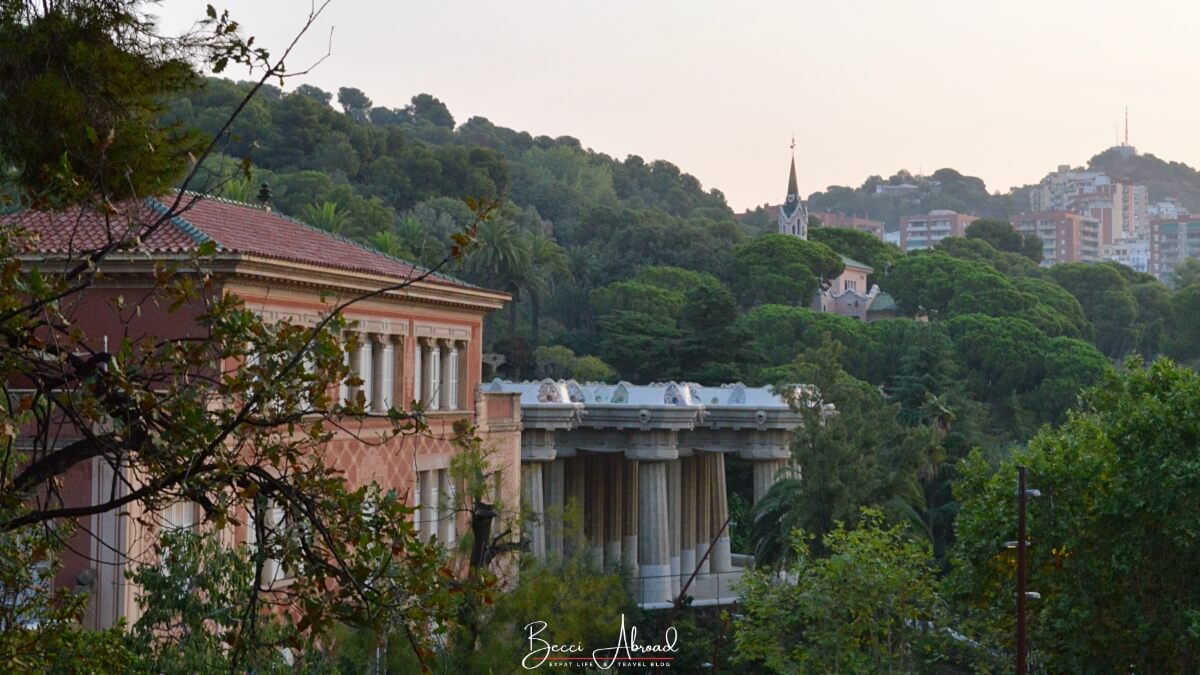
{"x":793,"y":217}
{"x":792,"y":201}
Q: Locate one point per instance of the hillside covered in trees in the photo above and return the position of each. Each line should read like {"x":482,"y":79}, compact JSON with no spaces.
{"x":628,"y":268}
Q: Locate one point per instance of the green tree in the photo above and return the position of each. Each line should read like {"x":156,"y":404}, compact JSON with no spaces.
{"x":1004,"y":237}
{"x":1109,"y":548}
{"x":781,"y":269}
{"x":869,"y":606}
{"x":1186,"y":273}
{"x":860,"y":246}
{"x":1109,"y":305}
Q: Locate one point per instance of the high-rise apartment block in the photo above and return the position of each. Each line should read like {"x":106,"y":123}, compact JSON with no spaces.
{"x":1121,"y":208}
{"x":1171,"y":243}
{"x":1066,"y":236}
{"x":917,"y":232}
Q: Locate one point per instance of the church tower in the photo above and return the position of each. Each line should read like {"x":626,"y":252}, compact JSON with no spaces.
{"x":793,"y":217}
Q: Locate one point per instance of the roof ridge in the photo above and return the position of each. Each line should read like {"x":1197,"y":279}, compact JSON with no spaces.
{"x":200,"y":236}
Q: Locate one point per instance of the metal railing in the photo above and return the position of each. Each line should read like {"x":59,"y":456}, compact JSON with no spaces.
{"x":706,"y":588}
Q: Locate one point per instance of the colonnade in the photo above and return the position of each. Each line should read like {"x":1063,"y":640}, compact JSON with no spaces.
{"x":664,"y":520}
{"x":435,"y":376}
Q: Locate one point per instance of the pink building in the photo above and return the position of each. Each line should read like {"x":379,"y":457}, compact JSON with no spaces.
{"x":1066,"y":236}
{"x":421,"y":343}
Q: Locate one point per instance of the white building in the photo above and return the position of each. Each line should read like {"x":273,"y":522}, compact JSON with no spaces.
{"x":1133,"y":252}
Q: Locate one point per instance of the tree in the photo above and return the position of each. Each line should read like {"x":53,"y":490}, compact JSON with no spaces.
{"x":1109,"y":305}
{"x":1004,"y":237}
{"x":860,"y":246}
{"x":853,"y":455}
{"x":870,"y":606}
{"x":225,"y":440}
{"x":781,"y":269}
{"x":354,"y":102}
{"x":927,"y":281}
{"x":1186,"y":273}
{"x":426,"y":108}
{"x":549,"y":266}
{"x":1108,"y":546}
{"x":314,"y":93}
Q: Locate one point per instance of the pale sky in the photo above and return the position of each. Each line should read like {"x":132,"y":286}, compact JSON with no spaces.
{"x":1002,"y":90}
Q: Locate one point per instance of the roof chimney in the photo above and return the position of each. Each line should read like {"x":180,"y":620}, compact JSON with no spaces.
{"x":264,"y":196}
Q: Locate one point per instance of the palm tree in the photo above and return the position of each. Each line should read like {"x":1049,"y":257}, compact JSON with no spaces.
{"x":326,"y":217}
{"x":390,"y":243}
{"x":503,"y":259}
{"x":548,"y":264}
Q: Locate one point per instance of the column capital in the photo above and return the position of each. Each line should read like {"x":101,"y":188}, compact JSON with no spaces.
{"x":379,"y":338}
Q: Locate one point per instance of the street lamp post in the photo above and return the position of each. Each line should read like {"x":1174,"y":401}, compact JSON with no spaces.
{"x":1023,"y":493}
{"x":1021,"y":666}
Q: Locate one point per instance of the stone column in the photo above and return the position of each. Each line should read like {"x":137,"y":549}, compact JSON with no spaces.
{"x":721,"y":558}
{"x":418,"y":374}
{"x":687,"y":528}
{"x":703,"y":511}
{"x":576,"y":492}
{"x":553,"y":474}
{"x":614,"y":507}
{"x":434,"y":367}
{"x":653,"y":538}
{"x":593,"y":516}
{"x":363,"y":363}
{"x":447,"y":510}
{"x":396,"y":392}
{"x":766,"y":472}
{"x":674,"y":484}
{"x":381,"y":369}
{"x":531,"y":495}
{"x":629,"y":517}
{"x":447,"y":356}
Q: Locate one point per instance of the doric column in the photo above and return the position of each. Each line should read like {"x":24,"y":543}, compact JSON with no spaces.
{"x":687,"y":528}
{"x":531,"y":494}
{"x":703,"y":510}
{"x":614,"y":501}
{"x":343,"y":388}
{"x":653,"y":540}
{"x":577,"y":497}
{"x":553,"y":493}
{"x":381,"y":369}
{"x":766,"y":472}
{"x":629,"y":517}
{"x":674,"y":484}
{"x":593,"y":516}
{"x":454,"y":384}
{"x":720,"y":558}
{"x":447,"y":509}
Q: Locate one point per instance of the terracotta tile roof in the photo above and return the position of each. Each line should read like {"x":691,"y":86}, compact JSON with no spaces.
{"x":235,"y":228}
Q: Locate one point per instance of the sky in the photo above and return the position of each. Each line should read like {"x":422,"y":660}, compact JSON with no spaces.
{"x":1005,"y":91}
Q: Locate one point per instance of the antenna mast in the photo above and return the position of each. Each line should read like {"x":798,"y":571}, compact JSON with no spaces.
{"x":1126,"y":126}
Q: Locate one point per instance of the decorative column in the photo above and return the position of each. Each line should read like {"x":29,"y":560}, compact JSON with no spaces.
{"x":531,"y":495}
{"x":577,"y":494}
{"x":687,"y":527}
{"x":703,"y":511}
{"x":418,"y":381}
{"x":653,"y":537}
{"x":593,"y":515}
{"x":343,"y":388}
{"x":553,"y":493}
{"x":448,"y":355}
{"x":629,"y":517}
{"x":363,"y":363}
{"x":766,"y":472}
{"x":721,"y":558}
{"x":381,"y":369}
{"x":614,"y":500}
{"x":447,"y":509}
{"x":433,"y":381}
{"x":674,"y":484}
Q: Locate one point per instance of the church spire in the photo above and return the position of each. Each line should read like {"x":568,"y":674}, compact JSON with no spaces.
{"x":793,"y":217}
{"x":792,"y":201}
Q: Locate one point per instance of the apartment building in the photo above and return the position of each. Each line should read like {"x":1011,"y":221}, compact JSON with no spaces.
{"x":918,"y":232}
{"x":1066,"y":236}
